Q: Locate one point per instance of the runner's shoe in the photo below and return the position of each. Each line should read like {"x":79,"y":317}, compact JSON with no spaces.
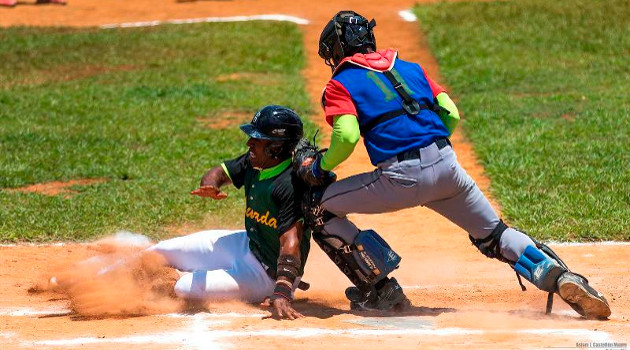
{"x":585,"y":300}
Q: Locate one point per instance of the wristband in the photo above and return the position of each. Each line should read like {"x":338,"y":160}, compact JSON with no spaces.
{"x":288,"y":267}
{"x":284,"y":289}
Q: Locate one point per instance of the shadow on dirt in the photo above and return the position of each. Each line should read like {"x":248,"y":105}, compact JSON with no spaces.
{"x":323,"y":311}
{"x":309,"y":308}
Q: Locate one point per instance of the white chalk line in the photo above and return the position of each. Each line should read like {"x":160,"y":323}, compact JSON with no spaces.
{"x":407,"y":16}
{"x":28,"y":312}
{"x":200,"y":334}
{"x":58,"y":244}
{"x":202,"y":337}
{"x":270,"y":17}
{"x":587,"y":244}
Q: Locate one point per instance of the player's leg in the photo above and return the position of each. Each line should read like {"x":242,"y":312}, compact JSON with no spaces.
{"x":205,"y":250}
{"x":465,"y":205}
{"x":461,"y":201}
{"x":367,"y":269}
{"x":395,"y":185}
{"x":246,"y":280}
{"x":366,"y":259}
{"x":379,"y":191}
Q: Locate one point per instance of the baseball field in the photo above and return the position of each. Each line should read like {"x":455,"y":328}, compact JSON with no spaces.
{"x":111,"y":111}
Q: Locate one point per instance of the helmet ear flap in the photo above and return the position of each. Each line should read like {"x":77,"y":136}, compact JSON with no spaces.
{"x":275,"y":149}
{"x":281,"y":149}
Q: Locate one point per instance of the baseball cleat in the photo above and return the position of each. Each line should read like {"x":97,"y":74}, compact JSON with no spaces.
{"x":585,"y":300}
{"x":389,"y":297}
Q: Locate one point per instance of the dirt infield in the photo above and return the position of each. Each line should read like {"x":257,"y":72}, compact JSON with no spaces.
{"x":460,"y":298}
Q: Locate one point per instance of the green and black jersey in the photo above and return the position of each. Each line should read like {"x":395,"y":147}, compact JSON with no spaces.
{"x":272,"y":206}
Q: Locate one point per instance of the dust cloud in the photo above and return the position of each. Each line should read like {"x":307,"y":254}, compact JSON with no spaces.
{"x":119,"y":279}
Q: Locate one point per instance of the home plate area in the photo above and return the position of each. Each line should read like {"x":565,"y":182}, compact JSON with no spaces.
{"x":238,"y":330}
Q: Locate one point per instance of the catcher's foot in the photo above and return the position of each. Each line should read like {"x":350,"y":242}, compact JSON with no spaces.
{"x":585,"y":300}
{"x":389,"y":297}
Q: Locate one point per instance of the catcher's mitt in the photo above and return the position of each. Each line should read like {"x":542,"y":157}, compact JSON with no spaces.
{"x":306,"y":164}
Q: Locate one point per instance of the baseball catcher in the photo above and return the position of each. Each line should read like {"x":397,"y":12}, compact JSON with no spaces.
{"x":264,"y":262}
{"x":406,"y":119}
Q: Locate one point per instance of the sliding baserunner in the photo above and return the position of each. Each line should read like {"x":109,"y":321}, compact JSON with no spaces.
{"x":264,"y":262}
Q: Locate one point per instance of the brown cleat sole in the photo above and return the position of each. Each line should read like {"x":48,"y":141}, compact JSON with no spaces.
{"x":583,"y":298}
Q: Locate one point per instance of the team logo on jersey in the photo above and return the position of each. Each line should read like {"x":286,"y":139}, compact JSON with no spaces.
{"x":261,"y":219}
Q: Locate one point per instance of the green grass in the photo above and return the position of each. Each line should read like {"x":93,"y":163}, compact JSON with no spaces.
{"x":544,"y":89}
{"x":123,"y":105}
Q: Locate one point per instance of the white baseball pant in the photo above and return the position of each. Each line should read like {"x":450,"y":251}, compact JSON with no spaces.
{"x":218,"y":265}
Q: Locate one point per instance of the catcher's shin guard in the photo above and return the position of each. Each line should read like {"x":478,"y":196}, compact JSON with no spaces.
{"x":538,"y":268}
{"x":333,"y":247}
{"x":366,"y":261}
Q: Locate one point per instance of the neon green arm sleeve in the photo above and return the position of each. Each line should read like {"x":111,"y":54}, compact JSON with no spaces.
{"x":344,"y":137}
{"x":450,"y":120}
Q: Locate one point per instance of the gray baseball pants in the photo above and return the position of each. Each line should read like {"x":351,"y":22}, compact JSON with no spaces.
{"x":436,"y":181}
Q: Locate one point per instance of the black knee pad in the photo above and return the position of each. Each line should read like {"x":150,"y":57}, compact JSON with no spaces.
{"x":490,"y":246}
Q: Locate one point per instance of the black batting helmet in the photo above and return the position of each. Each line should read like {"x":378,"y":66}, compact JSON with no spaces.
{"x":346,"y":34}
{"x":279,"y":124}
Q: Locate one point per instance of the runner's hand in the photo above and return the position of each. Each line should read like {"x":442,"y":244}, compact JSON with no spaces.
{"x":281,"y":308}
{"x":209,"y":191}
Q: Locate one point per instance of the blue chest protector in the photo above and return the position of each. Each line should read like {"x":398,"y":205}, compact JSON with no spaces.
{"x":374,"y":96}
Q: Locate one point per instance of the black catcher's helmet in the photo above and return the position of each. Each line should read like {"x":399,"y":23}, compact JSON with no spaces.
{"x":346,"y":34}
{"x":279,"y":124}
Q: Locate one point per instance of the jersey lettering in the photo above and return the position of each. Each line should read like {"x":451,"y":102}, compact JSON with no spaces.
{"x":265,"y":220}
{"x":389,"y":93}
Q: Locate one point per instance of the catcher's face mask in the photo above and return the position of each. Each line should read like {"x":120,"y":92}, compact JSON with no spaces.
{"x":347,"y":33}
